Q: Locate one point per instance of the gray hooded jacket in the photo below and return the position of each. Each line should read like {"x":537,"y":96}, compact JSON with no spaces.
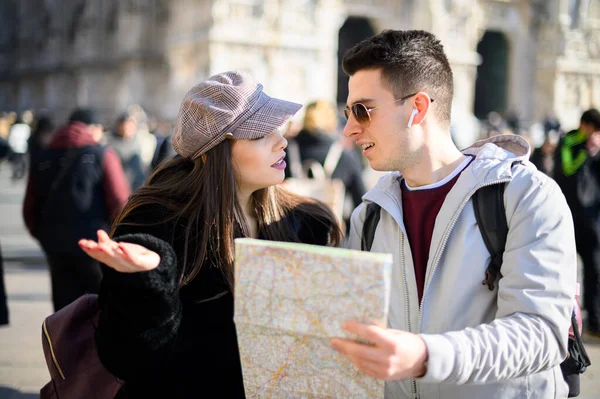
{"x":506,"y":343}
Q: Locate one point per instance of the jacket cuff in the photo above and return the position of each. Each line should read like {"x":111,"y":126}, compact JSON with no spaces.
{"x":160,"y":280}
{"x":442,"y":358}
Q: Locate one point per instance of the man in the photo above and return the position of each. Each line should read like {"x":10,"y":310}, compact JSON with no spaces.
{"x":577,"y":172}
{"x":448,"y":335}
{"x":73,"y":190}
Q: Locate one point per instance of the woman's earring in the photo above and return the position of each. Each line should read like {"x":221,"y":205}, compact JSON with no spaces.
{"x":412,"y":116}
{"x":203,"y":157}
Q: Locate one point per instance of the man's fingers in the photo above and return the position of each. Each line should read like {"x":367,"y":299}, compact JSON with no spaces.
{"x":356,"y":350}
{"x":368,"y":360}
{"x":369,"y":332}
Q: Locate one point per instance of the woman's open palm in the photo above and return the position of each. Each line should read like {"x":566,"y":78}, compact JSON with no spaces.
{"x":124,"y":257}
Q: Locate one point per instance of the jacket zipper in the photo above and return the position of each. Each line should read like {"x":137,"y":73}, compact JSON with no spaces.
{"x":54,"y":359}
{"x":441,"y":251}
{"x":413,"y":382}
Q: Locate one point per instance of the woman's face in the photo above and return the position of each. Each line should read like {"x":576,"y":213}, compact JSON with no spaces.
{"x":259,"y":163}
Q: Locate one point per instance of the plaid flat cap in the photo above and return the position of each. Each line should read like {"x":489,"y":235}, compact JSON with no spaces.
{"x":228,"y":104}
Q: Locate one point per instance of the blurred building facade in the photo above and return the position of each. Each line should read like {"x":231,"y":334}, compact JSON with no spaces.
{"x":529,"y":57}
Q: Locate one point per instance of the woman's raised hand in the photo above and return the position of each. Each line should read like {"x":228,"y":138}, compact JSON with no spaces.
{"x":124,"y":257}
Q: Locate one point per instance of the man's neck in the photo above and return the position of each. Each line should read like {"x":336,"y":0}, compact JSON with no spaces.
{"x":437,"y":161}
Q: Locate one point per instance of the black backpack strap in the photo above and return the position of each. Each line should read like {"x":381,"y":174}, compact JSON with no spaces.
{"x":490,"y":213}
{"x":370,"y":225}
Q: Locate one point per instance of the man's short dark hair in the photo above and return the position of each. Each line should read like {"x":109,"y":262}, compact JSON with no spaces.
{"x":591,"y":117}
{"x":411,"y":61}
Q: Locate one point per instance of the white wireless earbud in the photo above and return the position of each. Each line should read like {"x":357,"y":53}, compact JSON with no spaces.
{"x":412,"y":116}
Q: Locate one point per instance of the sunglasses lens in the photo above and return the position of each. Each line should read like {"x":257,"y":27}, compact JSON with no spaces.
{"x":360,"y":113}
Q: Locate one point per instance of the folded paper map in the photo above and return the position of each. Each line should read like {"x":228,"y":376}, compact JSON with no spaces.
{"x":290,"y":300}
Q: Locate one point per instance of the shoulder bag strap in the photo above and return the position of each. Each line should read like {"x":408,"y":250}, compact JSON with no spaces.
{"x":488,"y":203}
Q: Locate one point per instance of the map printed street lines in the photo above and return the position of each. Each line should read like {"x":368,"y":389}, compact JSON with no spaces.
{"x":290,"y":300}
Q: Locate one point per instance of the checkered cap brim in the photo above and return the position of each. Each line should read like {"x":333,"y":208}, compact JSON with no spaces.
{"x":229,"y":102}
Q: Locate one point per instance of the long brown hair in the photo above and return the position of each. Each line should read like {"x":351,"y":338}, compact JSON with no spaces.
{"x":201,"y":194}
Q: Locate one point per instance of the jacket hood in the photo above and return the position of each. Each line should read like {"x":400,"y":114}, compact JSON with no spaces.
{"x":497,"y":153}
{"x":73,"y":135}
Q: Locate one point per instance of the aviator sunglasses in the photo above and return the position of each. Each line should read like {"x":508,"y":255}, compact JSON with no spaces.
{"x":362,"y":114}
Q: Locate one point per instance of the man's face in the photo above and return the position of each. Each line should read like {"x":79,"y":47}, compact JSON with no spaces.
{"x":588,"y":129}
{"x":392,"y":147}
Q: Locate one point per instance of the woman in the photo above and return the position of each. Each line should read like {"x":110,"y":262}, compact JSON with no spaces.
{"x":166,"y":325}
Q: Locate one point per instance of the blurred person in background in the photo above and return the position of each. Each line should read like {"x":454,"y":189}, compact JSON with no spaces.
{"x":126,"y":143}
{"x":75,"y":186}
{"x":3,"y":300}
{"x":551,"y":122}
{"x":40,"y":137}
{"x":513,"y":121}
{"x":148,"y":141}
{"x":543,"y":156}
{"x":4,"y":150}
{"x":5,"y":123}
{"x":577,"y":171}
{"x":496,"y":122}
{"x":17,"y":140}
{"x":314,"y":141}
{"x":164,"y":149}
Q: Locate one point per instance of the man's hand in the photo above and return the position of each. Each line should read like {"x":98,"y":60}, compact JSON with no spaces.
{"x":593,"y":144}
{"x":393,"y":354}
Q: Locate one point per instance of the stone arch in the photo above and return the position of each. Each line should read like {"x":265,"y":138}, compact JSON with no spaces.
{"x":353,"y":30}
{"x":492,"y":82}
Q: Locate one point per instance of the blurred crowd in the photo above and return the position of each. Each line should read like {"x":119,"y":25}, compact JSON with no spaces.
{"x":140,"y":141}
{"x":321,"y":163}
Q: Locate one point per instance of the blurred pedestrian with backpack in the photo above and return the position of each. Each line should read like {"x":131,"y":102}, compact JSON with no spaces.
{"x":74,"y":188}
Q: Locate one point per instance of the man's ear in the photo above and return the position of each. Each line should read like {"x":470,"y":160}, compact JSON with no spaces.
{"x":421,"y":103}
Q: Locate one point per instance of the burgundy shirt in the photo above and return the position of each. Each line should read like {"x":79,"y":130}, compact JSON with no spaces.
{"x":420,"y":208}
